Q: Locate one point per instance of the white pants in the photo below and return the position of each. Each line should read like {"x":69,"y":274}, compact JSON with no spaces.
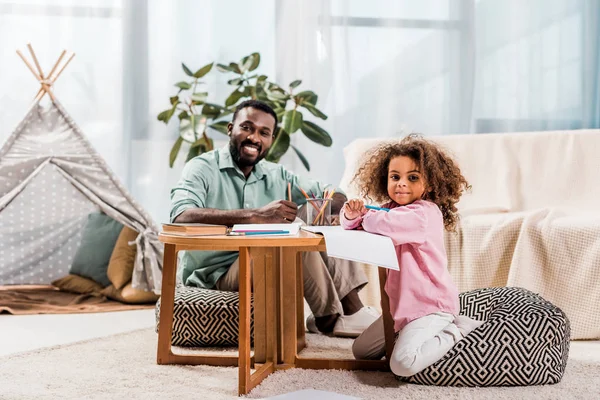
{"x":420,"y":343}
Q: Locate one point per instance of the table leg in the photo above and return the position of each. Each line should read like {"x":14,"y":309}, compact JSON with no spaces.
{"x":388,"y":321}
{"x":258,"y":256}
{"x":244,"y":332}
{"x":300,"y":327}
{"x":167,"y":303}
{"x":288,"y":302}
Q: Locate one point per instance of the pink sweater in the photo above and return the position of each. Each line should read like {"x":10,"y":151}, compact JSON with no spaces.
{"x":423,"y":285}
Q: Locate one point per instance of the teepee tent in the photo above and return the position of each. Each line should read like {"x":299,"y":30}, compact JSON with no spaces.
{"x":50,"y":180}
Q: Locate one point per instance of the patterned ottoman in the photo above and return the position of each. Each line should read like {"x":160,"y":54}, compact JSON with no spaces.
{"x":525,"y":341}
{"x":205,"y":317}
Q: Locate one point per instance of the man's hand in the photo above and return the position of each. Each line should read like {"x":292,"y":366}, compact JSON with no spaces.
{"x":354,"y":208}
{"x":277,"y":212}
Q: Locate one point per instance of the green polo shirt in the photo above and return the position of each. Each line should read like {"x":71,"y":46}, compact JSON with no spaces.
{"x":213,"y":180}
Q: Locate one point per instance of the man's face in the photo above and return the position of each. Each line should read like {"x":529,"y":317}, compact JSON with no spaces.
{"x":251,"y":136}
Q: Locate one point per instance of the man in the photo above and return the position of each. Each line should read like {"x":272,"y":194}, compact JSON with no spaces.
{"x":234,"y":185}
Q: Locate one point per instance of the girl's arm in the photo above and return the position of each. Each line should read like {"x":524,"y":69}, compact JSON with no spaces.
{"x":404,"y":225}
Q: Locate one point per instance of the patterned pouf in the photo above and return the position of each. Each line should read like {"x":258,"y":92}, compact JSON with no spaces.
{"x":205,"y":317}
{"x":525,"y":341}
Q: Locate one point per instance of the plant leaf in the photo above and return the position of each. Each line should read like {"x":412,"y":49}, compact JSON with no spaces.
{"x":166,"y":115}
{"x":193,"y":152}
{"x":255,"y":61}
{"x":174,"y":100}
{"x":235,"y":68}
{"x":314,"y":110}
{"x":235,"y":81}
{"x":187,"y":71}
{"x":203,"y":71}
{"x":185,"y":127}
{"x":220,"y":126}
{"x":275,"y":96}
{"x":224,"y":68}
{"x":296,"y":83}
{"x":308,"y":96}
{"x":175,"y":151}
{"x":233,"y":98}
{"x":280,"y":146}
{"x":212,"y":110}
{"x":199,"y":97}
{"x":246,"y":62}
{"x":183,"y":85}
{"x":316,"y":133}
{"x":292,"y":121}
{"x":183,"y":114}
{"x":261,"y":79}
{"x":302,"y":158}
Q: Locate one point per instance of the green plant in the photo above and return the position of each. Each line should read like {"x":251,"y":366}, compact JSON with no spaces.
{"x":195,"y":113}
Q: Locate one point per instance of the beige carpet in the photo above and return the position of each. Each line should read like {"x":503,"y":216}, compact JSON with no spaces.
{"x":124,"y":367}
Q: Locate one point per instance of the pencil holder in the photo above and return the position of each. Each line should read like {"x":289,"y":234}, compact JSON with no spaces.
{"x":318,"y":212}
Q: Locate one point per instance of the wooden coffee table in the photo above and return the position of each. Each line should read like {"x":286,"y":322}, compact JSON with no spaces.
{"x":279,"y":332}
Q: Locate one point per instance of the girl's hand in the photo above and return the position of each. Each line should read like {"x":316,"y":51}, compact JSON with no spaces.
{"x":354,"y":208}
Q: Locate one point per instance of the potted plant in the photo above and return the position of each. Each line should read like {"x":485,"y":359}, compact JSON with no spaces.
{"x":196,"y":115}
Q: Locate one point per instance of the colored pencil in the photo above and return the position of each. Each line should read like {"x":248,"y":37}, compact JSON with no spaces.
{"x":377,"y":208}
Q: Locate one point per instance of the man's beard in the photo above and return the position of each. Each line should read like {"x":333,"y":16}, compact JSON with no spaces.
{"x":237,"y":157}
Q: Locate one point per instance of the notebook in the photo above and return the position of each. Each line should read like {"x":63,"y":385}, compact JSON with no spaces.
{"x":194,"y":229}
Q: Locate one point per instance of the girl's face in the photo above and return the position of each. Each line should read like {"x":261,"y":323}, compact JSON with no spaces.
{"x":405,"y":182}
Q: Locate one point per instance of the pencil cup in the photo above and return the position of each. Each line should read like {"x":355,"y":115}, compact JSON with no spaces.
{"x":318,"y":212}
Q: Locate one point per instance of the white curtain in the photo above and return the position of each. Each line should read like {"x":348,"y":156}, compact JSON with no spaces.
{"x":380,"y":68}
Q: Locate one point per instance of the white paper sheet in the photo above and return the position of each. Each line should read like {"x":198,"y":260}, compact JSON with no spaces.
{"x":291,"y":228}
{"x":358,"y":246}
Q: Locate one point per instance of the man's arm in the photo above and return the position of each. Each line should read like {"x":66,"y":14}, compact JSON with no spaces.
{"x":280,"y":211}
{"x":337,"y":202}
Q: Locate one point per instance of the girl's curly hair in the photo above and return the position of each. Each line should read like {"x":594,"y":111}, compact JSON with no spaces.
{"x":444,"y":183}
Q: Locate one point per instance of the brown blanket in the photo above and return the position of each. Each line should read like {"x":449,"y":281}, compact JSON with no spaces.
{"x":21,"y":300}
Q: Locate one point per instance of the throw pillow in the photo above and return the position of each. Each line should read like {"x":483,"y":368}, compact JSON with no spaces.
{"x":129,"y":295}
{"x":120,"y":266}
{"x":97,"y":243}
{"x":77,"y":284}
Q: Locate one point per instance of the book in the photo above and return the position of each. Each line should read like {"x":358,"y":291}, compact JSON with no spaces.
{"x":360,"y":246}
{"x":194,"y":229}
{"x":265,"y":229}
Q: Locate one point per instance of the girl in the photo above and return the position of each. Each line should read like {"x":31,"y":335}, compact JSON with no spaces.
{"x":420,"y":184}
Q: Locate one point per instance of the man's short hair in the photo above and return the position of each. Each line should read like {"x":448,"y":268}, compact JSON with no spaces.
{"x":259,"y":105}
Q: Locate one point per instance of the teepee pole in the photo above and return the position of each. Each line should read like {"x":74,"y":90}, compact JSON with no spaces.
{"x":35,"y":60}
{"x":56,"y":64}
{"x":28,"y":65}
{"x":63,"y":68}
{"x":45,"y":81}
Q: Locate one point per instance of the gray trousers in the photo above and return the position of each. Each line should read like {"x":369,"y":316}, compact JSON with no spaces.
{"x":327,"y":280}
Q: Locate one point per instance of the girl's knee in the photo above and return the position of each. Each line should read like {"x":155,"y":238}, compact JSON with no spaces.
{"x":403,"y":366}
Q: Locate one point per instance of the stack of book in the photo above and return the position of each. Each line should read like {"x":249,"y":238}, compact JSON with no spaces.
{"x":194,"y":229}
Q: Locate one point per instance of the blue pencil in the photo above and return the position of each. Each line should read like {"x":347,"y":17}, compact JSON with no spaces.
{"x":259,"y":233}
{"x":377,"y":208}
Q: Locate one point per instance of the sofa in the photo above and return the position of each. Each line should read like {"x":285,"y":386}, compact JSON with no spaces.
{"x":531,"y":219}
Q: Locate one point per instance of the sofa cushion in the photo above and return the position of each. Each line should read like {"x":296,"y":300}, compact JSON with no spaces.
{"x":205,"y":317}
{"x":524,"y":341}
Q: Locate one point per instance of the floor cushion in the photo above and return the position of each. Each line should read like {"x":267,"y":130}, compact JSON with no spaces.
{"x":524,"y":341}
{"x":205,"y":317}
